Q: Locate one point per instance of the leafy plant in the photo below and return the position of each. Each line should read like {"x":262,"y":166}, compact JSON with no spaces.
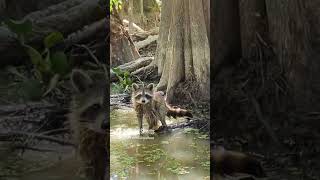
{"x":22,"y":29}
{"x":50,"y":65}
{"x":115,"y":3}
{"x":125,"y":80}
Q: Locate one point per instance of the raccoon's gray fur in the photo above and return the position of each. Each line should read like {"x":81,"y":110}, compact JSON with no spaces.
{"x":153,"y":106}
{"x":89,"y":124}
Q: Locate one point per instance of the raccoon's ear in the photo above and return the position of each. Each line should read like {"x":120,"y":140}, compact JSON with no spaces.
{"x":80,"y":80}
{"x":135,"y":86}
{"x":150,"y":86}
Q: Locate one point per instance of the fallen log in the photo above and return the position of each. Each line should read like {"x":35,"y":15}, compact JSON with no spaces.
{"x":8,"y":109}
{"x":132,"y":66}
{"x":66,"y":17}
{"x":54,"y":9}
{"x":135,"y":26}
{"x":88,"y":32}
{"x":17,"y":9}
{"x":71,"y":19}
{"x":146,"y":42}
{"x":33,"y":148}
{"x":144,"y":35}
{"x":191,"y":122}
{"x":8,"y":136}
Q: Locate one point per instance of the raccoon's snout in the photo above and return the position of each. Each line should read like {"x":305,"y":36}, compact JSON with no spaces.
{"x":144,"y":101}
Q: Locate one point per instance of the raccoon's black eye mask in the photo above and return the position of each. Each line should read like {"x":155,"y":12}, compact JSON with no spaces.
{"x":148,"y":96}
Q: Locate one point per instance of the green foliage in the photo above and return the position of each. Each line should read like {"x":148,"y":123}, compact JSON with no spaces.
{"x":21,"y":28}
{"x":125,"y":80}
{"x":115,"y":3}
{"x":52,"y":39}
{"x":59,"y":63}
{"x":50,"y":65}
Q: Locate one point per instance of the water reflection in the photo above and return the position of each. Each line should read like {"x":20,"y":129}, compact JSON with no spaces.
{"x":178,"y":155}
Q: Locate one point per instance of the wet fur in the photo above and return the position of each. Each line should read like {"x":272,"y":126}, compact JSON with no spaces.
{"x":155,"y":107}
{"x":86,"y":117}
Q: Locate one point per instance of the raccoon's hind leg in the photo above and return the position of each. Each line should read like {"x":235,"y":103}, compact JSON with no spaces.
{"x":163,"y":121}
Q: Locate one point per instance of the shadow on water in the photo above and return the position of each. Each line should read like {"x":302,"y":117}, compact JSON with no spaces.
{"x":182,"y":154}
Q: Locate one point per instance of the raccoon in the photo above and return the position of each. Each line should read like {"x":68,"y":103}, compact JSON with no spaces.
{"x":89,"y":125}
{"x":152,"y":106}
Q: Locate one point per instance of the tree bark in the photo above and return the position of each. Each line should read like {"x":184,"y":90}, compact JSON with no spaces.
{"x":17,"y":9}
{"x":71,"y":19}
{"x":225,"y":27}
{"x":253,"y":23}
{"x":289,"y":32}
{"x":130,"y":16}
{"x":122,"y":49}
{"x":183,"y":47}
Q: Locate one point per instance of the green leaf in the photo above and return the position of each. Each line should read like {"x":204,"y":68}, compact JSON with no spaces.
{"x":117,"y":71}
{"x":52,"y":39}
{"x":59,"y":63}
{"x":35,"y":56}
{"x":126,"y":74}
{"x":53,"y":84}
{"x":129,"y":81}
{"x":19,"y":27}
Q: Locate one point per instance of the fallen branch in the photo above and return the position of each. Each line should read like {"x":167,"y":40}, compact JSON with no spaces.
{"x":33,"y":149}
{"x":56,"y":131}
{"x":54,"y":9}
{"x":144,"y":35}
{"x":191,"y":122}
{"x":135,"y":26}
{"x":88,"y":32}
{"x":5,"y":110}
{"x":145,"y":71}
{"x":17,"y":134}
{"x":146,"y":42}
{"x":70,"y":19}
{"x":132,"y":66}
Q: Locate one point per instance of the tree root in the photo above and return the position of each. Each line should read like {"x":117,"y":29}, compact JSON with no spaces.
{"x":191,"y":122}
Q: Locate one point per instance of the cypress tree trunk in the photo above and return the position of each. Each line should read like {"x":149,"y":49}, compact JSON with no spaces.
{"x":253,"y":24}
{"x":183,"y":47}
{"x":289,"y":33}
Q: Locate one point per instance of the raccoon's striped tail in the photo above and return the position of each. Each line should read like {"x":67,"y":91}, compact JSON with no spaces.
{"x":178,"y":112}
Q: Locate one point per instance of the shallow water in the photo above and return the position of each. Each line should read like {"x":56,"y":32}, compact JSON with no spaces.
{"x":181,"y":154}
